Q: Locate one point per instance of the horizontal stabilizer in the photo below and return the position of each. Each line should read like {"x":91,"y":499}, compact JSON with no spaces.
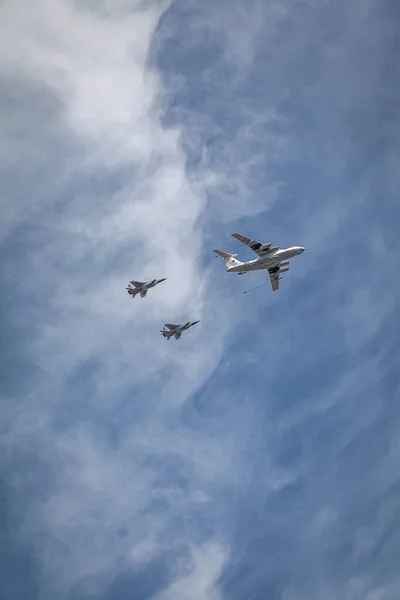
{"x":223,"y":254}
{"x":284,"y":270}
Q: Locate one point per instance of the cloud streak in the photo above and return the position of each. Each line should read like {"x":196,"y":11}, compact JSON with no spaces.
{"x":102,"y":195}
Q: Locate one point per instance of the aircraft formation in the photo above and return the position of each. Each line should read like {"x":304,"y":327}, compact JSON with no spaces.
{"x":272,"y":258}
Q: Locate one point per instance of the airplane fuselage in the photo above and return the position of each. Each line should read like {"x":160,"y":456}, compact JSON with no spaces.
{"x":266,"y":262}
{"x":143,"y":287}
{"x":176,"y":330}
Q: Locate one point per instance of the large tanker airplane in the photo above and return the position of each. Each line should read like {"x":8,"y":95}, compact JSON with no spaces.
{"x":270,"y":257}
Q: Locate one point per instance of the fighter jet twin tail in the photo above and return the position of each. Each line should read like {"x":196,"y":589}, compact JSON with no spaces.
{"x":272,"y":258}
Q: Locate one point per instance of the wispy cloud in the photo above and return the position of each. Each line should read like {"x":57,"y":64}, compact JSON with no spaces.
{"x":203,"y":571}
{"x":102,"y":195}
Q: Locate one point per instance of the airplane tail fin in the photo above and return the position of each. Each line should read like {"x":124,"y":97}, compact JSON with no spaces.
{"x":228,"y":259}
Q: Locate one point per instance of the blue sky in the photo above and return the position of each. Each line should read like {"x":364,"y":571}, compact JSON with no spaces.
{"x":258,"y":457}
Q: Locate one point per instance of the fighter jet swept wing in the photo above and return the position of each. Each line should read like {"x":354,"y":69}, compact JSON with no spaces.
{"x":170,"y":325}
{"x":143,"y":293}
{"x":258,"y":247}
{"x":178,"y":335}
{"x":137,"y":283}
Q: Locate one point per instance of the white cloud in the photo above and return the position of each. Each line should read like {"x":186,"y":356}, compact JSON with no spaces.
{"x":199,"y":583}
{"x":105,"y":197}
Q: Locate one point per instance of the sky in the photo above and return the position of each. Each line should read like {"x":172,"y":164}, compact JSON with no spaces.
{"x":258,"y":457}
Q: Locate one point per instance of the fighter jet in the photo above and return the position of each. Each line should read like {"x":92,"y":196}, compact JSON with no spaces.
{"x":270,"y":257}
{"x":170,"y":330}
{"x":141,"y":287}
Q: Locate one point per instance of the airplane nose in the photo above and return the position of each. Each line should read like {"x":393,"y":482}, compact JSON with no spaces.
{"x":301,"y":250}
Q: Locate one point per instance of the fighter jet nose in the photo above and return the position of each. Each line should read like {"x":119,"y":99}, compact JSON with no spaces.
{"x":301,"y":250}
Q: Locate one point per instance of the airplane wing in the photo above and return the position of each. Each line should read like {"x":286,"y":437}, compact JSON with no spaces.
{"x":178,"y":335}
{"x":258,"y":247}
{"x":274,"y":278}
{"x":143,"y":293}
{"x":170,"y":325}
{"x":275,"y":275}
{"x":137,"y":283}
